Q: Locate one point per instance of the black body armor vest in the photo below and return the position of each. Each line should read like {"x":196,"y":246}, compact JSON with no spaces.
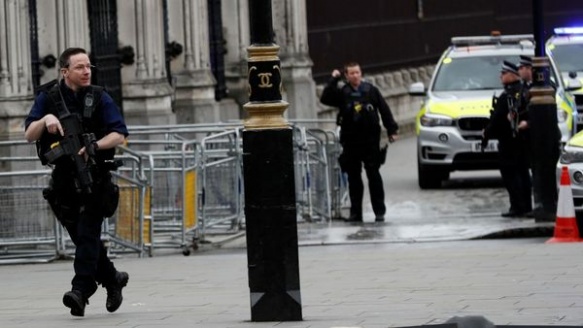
{"x":86,"y":112}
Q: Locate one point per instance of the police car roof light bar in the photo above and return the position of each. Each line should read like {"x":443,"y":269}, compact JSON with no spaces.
{"x":464,"y":41}
{"x":568,"y":30}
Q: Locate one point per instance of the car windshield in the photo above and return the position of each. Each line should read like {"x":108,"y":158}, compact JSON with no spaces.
{"x":569,"y":57}
{"x":471,"y":73}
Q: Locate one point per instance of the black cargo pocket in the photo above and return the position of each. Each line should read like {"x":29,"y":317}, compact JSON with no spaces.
{"x":65,"y":205}
{"x":109,"y":199}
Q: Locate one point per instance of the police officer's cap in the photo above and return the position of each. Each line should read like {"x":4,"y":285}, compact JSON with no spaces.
{"x":525,"y":61}
{"x":509,"y":67}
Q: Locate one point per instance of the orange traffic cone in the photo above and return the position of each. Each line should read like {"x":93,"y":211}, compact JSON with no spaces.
{"x":566,"y":224}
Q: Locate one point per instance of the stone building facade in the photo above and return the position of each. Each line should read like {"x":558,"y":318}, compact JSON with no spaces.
{"x":167,"y":55}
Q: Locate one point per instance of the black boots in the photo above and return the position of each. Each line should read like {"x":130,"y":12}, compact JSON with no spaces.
{"x":114,"y":296}
{"x":76,"y":302}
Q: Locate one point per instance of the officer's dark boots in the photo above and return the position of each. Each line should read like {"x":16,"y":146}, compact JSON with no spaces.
{"x":76,"y":302}
{"x":114,"y":296}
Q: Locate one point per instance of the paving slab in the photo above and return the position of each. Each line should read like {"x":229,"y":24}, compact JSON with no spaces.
{"x":509,"y":281}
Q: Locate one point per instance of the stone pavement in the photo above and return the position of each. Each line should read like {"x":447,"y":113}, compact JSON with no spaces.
{"x":369,"y":285}
{"x":430,"y":261}
{"x":439,"y":228}
{"x":407,"y":230}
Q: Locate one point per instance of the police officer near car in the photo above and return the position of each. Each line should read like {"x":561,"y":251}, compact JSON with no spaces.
{"x":509,"y":124}
{"x":76,"y":127}
{"x":360,"y":104}
{"x":525,"y":73}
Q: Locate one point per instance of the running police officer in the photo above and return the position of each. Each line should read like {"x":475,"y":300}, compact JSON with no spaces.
{"x":76,"y":124}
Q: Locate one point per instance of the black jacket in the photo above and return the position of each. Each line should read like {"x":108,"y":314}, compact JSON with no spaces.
{"x":359,"y":111}
{"x":100,"y":118}
{"x":510,"y":143}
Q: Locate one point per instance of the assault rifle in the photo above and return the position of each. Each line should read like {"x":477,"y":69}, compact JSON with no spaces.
{"x":513,"y":114}
{"x":72,"y":142}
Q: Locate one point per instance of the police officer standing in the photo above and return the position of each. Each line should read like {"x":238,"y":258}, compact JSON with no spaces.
{"x":525,"y":72}
{"x":80,"y":198}
{"x":360,"y":104}
{"x":509,"y":124}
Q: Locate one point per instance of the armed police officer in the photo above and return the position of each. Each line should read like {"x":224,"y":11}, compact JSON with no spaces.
{"x":509,"y":124}
{"x":525,"y":72}
{"x":77,"y":126}
{"x":360,"y":104}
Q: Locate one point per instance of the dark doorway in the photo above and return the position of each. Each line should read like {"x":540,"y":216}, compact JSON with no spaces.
{"x":34,"y":56}
{"x":104,"y":47}
{"x":217,"y":48}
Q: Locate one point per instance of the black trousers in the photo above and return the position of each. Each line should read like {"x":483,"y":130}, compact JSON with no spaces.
{"x":91,"y":264}
{"x":81,"y":215}
{"x":353,"y":157}
{"x":515,"y":172}
{"x":518,"y":183}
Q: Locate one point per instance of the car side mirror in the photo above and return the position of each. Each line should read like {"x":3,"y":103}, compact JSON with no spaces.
{"x":417,"y":89}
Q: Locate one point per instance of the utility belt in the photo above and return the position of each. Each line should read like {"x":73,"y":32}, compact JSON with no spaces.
{"x":352,"y":156}
{"x":67,"y":200}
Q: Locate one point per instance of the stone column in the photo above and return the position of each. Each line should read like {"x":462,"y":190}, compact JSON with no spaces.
{"x":195,"y":94}
{"x":16,"y":89}
{"x":146,"y":91}
{"x":16,"y":95}
{"x":61,"y":24}
{"x":291,"y":33}
{"x":236,"y":33}
{"x":72,"y":24}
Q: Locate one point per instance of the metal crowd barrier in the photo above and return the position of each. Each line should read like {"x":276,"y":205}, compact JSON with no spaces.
{"x":129,"y":230}
{"x":320,"y":186}
{"x":221,"y":175}
{"x":29,"y":231}
{"x":321,"y":190}
{"x":27,"y":225}
{"x":179,"y":185}
{"x":190,"y":179}
{"x":312,"y":187}
{"x":170,"y":203}
{"x":338,"y":179}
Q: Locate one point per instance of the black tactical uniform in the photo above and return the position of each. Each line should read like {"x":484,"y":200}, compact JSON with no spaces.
{"x":79,"y":211}
{"x":513,"y":148}
{"x":358,"y":118}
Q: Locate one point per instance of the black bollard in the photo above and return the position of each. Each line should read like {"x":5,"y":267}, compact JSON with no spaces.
{"x":544,"y":132}
{"x":545,"y":141}
{"x":268,"y":166}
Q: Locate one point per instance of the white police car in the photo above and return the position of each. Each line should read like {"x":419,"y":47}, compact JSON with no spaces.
{"x":565,"y":49}
{"x":572,"y":158}
{"x":457,"y":105}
